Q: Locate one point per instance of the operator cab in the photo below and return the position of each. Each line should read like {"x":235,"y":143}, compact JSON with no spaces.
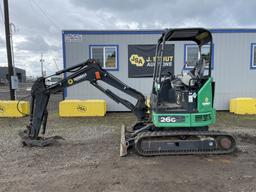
{"x":177,"y":93}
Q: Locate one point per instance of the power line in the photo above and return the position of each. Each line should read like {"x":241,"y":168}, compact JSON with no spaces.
{"x":44,"y":13}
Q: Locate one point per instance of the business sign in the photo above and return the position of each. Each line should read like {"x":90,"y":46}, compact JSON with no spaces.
{"x":73,"y":38}
{"x":141,"y":60}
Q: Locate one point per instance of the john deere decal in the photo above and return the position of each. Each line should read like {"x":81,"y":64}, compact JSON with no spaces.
{"x":206,"y":102}
{"x":81,"y":108}
{"x":141,"y":60}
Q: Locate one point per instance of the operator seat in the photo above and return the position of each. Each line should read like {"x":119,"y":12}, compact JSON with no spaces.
{"x":186,"y":78}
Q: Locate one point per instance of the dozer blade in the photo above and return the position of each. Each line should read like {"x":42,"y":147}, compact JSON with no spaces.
{"x":123,"y":143}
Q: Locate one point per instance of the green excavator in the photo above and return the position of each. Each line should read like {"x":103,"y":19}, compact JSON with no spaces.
{"x":180,"y":112}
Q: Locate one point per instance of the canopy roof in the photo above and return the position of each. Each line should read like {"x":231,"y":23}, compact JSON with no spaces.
{"x":199,"y":35}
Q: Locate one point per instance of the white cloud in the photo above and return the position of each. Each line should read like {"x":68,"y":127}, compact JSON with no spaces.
{"x":39,"y":23}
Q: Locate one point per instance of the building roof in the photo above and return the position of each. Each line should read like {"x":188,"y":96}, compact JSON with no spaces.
{"x":151,"y":31}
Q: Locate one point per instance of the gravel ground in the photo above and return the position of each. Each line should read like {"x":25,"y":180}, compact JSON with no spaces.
{"x":88,"y":159}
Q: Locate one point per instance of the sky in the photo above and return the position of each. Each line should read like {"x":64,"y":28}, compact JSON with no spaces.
{"x":37,"y":24}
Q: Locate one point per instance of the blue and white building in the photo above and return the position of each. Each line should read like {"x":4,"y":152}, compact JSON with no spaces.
{"x":234,"y":61}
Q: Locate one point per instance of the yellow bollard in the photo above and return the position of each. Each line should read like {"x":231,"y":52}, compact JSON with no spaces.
{"x":82,"y":108}
{"x":9,"y":108}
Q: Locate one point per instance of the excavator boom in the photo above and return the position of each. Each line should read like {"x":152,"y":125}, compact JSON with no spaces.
{"x":88,"y":71}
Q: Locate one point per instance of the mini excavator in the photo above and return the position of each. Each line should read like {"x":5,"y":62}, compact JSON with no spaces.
{"x":181,"y":106}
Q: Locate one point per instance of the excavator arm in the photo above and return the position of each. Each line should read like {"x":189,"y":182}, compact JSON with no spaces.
{"x":88,"y":71}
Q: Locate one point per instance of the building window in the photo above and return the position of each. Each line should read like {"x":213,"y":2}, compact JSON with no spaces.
{"x":253,"y":56}
{"x":191,"y":55}
{"x":105,"y":55}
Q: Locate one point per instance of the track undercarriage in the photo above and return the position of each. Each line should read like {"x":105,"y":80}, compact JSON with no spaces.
{"x":151,"y":141}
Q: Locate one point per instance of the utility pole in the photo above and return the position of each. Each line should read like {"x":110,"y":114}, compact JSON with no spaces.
{"x":8,"y":49}
{"x":12,"y":30}
{"x":42,"y":64}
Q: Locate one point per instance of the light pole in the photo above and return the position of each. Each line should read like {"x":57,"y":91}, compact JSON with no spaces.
{"x":8,"y":49}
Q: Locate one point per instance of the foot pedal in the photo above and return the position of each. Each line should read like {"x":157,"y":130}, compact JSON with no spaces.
{"x":123,"y":144}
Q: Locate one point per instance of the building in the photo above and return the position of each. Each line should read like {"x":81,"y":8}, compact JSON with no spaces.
{"x":234,"y":60}
{"x":21,"y":74}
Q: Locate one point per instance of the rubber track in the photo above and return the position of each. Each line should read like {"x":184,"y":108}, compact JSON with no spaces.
{"x":155,"y":134}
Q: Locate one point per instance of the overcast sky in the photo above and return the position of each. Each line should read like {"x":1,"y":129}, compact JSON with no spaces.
{"x":38,"y":23}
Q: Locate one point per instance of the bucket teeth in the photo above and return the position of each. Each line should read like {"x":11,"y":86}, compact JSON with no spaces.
{"x":123,"y":143}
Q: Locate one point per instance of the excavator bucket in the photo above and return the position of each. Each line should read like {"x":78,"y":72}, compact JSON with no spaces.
{"x":123,"y":143}
{"x":39,"y":142}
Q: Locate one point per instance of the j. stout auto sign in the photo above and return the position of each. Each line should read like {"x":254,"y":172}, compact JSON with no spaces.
{"x":142,"y":60}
